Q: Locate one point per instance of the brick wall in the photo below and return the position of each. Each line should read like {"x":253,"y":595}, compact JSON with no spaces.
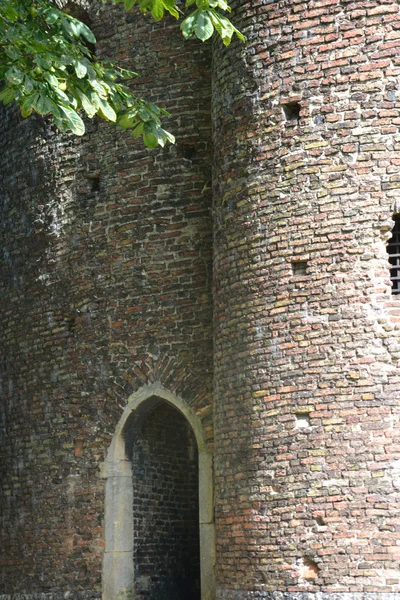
{"x":307,"y":333}
{"x":105,"y":286}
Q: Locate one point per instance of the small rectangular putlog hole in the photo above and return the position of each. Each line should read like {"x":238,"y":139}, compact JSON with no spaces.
{"x":299,"y":267}
{"x":309,"y":570}
{"x":302,"y":420}
{"x":94,"y":180}
{"x":291,"y":110}
{"x":78,"y":450}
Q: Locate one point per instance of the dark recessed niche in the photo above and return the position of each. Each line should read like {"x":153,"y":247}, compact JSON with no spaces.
{"x":187,"y":151}
{"x":78,"y":450}
{"x":78,"y":12}
{"x":94,"y":181}
{"x":70,"y":322}
{"x":302,"y":420}
{"x":299,"y":267}
{"x":309,"y":570}
{"x":291,"y":110}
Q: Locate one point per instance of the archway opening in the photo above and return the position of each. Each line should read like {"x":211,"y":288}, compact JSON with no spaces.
{"x":162,"y":448}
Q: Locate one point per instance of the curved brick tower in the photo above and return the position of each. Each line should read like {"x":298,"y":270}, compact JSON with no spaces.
{"x":307,"y":374}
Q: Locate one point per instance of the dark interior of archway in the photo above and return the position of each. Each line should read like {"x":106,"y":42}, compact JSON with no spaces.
{"x":77,"y":11}
{"x":166,"y":507}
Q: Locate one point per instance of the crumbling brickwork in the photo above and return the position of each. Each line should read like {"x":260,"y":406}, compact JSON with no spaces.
{"x":105,"y":284}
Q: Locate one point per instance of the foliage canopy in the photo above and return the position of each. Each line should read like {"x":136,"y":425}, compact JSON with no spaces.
{"x":47,"y":65}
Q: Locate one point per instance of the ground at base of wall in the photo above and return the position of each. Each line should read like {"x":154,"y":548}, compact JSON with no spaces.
{"x":86,"y":595}
{"x":221,"y":595}
{"x":248,"y":595}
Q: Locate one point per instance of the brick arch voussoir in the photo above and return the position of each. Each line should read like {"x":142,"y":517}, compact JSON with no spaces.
{"x":175,"y":375}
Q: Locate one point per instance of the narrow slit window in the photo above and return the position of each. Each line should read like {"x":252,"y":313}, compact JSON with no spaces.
{"x":393,"y":249}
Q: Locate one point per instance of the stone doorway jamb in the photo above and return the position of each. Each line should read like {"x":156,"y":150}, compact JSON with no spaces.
{"x":118,"y":566}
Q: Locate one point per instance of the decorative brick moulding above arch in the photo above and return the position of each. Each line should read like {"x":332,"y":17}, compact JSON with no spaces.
{"x":118,"y":562}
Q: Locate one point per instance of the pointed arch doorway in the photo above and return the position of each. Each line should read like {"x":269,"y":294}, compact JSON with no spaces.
{"x":159,"y":527}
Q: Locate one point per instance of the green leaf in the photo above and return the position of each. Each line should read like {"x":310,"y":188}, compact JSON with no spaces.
{"x":26,"y":113}
{"x":27,"y":105}
{"x":47,"y":67}
{"x":203,"y":28}
{"x":15,"y":76}
{"x":225,"y":28}
{"x":84,"y":31}
{"x":98,"y":86}
{"x":154,"y":108}
{"x":220,"y":4}
{"x":7,"y":96}
{"x":126,"y":122}
{"x":69,"y":28}
{"x":43,"y":105}
{"x":63,"y":97}
{"x":143,"y":113}
{"x":29,"y":84}
{"x":66,"y":60}
{"x":145,"y":4}
{"x":187,"y":25}
{"x":51,"y":79}
{"x":62,"y":125}
{"x":169,"y":136}
{"x":149,"y":137}
{"x":80,"y":68}
{"x":10,"y":13}
{"x":159,"y":132}
{"x":157,"y":10}
{"x":52,"y":16}
{"x":89,"y":108}
{"x":106,"y":110}
{"x":172,"y":8}
{"x":128,"y":4}
{"x":73,"y":121}
{"x":12,"y":53}
{"x":138,"y":130}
